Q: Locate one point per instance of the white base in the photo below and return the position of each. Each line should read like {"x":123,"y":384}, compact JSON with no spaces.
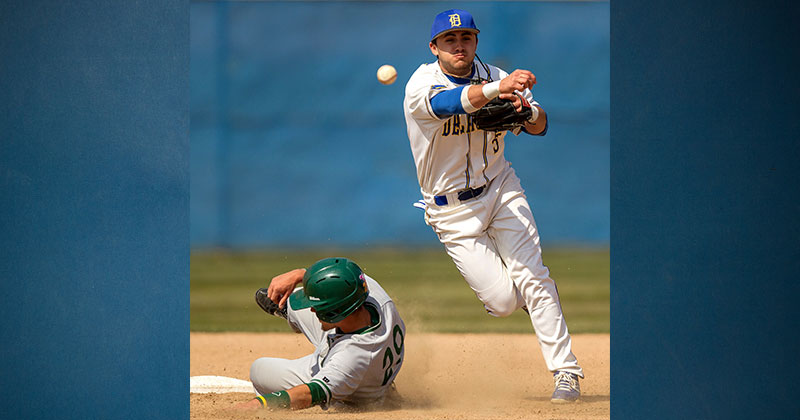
{"x":218,"y":385}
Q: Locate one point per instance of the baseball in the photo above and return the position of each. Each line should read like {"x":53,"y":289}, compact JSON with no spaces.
{"x":387,"y":74}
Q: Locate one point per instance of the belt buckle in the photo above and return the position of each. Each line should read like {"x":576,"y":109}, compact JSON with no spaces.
{"x":470,"y":193}
{"x":464,"y":195}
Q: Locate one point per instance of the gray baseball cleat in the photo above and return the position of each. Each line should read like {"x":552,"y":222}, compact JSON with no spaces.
{"x":567,"y":388}
{"x":268,"y":305}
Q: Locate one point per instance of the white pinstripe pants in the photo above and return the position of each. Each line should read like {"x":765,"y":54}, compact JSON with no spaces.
{"x":494,"y":243}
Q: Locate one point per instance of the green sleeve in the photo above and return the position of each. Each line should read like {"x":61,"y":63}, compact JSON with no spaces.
{"x":277,"y":400}
{"x":318,"y":395}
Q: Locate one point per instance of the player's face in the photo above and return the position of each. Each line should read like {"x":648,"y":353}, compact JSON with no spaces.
{"x":456,"y":51}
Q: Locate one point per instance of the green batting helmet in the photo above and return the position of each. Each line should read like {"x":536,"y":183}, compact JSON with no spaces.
{"x":333,"y":287}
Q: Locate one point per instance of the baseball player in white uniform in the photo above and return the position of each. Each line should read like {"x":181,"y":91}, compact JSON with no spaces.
{"x":355,"y":327}
{"x":473,"y":199}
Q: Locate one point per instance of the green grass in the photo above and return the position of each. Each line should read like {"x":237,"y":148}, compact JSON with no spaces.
{"x":429,"y":292}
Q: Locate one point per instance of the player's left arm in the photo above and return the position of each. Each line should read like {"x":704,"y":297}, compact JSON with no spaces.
{"x":537,"y":125}
{"x":340,"y":377}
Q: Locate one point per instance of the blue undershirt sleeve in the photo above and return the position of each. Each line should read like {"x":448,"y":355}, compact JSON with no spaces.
{"x":448,"y":102}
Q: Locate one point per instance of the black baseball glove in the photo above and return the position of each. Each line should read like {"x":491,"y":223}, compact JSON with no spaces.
{"x":500,"y":115}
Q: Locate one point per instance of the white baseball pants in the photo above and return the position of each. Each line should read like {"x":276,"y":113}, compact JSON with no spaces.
{"x":494,"y":243}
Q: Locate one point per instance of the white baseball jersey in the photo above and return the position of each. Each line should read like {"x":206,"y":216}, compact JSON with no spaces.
{"x":450,"y":152}
{"x":361,"y":367}
{"x":492,"y":238}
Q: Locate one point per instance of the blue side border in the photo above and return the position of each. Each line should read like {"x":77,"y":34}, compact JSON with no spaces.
{"x":94,"y":209}
{"x":704,"y":197}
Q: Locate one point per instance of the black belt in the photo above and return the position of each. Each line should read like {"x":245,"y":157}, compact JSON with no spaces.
{"x":441,"y":200}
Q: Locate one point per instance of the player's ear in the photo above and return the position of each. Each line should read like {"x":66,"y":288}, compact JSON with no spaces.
{"x":434,"y":49}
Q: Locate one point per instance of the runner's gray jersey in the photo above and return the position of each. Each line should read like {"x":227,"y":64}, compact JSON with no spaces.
{"x":361,"y":367}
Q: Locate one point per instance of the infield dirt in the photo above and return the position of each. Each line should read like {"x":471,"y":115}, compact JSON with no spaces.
{"x":445,"y":376}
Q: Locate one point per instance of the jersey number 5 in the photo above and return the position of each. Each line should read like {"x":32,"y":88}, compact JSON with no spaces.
{"x":388,"y":356}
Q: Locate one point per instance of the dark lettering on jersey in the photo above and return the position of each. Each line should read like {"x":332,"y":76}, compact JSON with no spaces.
{"x":453,"y":126}
{"x":388,"y":356}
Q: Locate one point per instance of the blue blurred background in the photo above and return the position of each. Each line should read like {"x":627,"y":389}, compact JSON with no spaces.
{"x":294,"y":142}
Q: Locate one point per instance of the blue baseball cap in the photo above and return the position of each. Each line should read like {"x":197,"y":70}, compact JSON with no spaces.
{"x":453,"y":20}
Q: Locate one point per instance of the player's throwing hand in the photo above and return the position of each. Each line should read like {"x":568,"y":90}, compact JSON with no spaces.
{"x":517,"y":80}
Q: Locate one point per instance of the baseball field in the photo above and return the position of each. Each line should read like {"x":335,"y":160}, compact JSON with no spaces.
{"x":460,"y":362}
